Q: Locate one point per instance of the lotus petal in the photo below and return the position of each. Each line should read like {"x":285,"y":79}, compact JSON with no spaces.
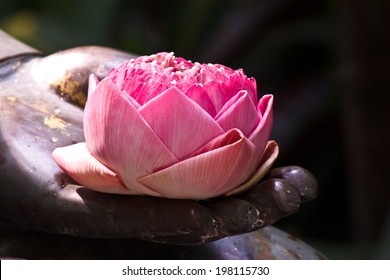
{"x":181,"y":124}
{"x":160,"y":88}
{"x":79,"y":164}
{"x":93,"y":81}
{"x":252,"y":90}
{"x":208,"y":174}
{"x":239,"y":112}
{"x":270,"y":154}
{"x":119,"y":137}
{"x":221,"y":141}
{"x":197,"y":93}
{"x":262,"y":132}
{"x":218,"y":93}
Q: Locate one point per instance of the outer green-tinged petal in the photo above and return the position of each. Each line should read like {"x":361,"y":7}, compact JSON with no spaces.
{"x":119,"y":137}
{"x":181,"y":124}
{"x":79,"y":164}
{"x":239,"y":112}
{"x":208,"y":174}
{"x":270,"y":154}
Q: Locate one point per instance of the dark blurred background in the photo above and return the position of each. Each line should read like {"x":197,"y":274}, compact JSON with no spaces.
{"x":326,"y":62}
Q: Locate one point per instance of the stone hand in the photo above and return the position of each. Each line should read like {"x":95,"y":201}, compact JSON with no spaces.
{"x":41,"y":108}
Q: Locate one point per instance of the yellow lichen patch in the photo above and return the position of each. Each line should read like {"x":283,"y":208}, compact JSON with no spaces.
{"x":54,"y":122}
{"x":11,"y":98}
{"x":69,"y":87}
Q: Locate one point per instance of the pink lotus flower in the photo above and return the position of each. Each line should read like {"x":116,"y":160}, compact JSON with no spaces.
{"x":163,"y":126}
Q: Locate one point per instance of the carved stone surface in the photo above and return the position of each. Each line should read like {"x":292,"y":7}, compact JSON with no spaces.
{"x":267,"y":243}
